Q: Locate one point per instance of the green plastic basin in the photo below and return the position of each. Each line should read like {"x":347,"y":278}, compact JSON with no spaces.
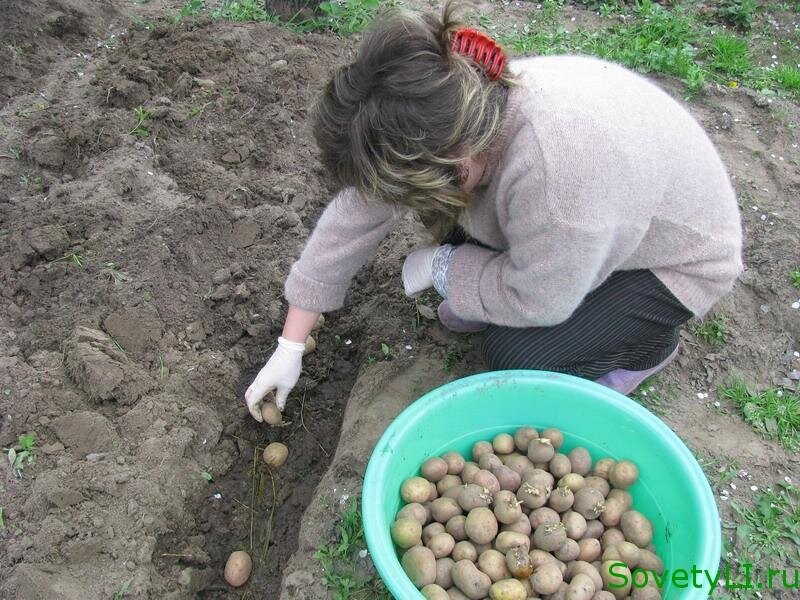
{"x":672,"y":490}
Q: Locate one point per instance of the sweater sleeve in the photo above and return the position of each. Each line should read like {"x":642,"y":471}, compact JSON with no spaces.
{"x":346,"y":235}
{"x":550,"y":266}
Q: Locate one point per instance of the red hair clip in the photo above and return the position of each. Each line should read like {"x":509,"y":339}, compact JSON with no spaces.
{"x":481,"y":48}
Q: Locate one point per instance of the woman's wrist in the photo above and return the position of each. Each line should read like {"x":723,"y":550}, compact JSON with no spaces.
{"x":441,"y":263}
{"x":299,"y":323}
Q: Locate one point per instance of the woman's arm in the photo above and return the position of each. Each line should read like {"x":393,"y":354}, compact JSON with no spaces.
{"x":345,"y":236}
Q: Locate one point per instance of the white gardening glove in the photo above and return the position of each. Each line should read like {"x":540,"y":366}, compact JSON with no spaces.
{"x":418,"y":270}
{"x":280,"y":373}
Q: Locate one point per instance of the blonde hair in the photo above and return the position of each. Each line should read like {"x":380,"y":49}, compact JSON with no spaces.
{"x":396,"y":123}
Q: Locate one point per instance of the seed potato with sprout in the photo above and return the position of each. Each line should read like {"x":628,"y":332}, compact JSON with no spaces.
{"x":518,"y":561}
{"x":473,"y":496}
{"x":554,"y":435}
{"x":540,"y":450}
{"x":572,"y":481}
{"x":532,"y":496}
{"x":561,"y":499}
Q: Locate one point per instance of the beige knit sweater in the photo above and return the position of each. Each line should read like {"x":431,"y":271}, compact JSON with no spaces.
{"x":595,"y":170}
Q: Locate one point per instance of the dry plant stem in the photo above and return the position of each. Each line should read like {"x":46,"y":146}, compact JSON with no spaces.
{"x":240,"y":503}
{"x":253,"y":496}
{"x":249,"y":111}
{"x":265,"y":548}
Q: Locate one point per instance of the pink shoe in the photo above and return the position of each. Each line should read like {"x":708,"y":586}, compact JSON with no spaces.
{"x":625,"y":382}
{"x":455,"y":324}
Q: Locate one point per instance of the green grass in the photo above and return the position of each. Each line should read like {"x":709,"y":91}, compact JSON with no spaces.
{"x":653,"y":40}
{"x":774,"y":413}
{"x":771,"y":527}
{"x":676,"y":40}
{"x":242,"y":10}
{"x":386,"y":351}
{"x":787,"y":78}
{"x":730,"y":55}
{"x":344,"y":18}
{"x":713,"y":331}
{"x":192,"y":7}
{"x":348,"y":17}
{"x":2,"y":518}
{"x":765,"y":535}
{"x":795,"y":277}
{"x":738,"y":13}
{"x":344,"y":577}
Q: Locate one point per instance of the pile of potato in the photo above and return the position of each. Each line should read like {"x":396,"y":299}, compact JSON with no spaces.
{"x":523,"y":521}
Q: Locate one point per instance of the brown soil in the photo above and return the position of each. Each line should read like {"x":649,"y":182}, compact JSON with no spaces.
{"x":141,"y":291}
